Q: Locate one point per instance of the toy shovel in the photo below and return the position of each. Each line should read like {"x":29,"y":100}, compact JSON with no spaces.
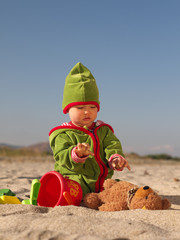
{"x":35,"y":186}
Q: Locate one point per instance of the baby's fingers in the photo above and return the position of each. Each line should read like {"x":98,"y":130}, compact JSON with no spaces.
{"x":85,"y":145}
{"x":84,"y":148}
{"x":91,"y":153}
{"x":87,"y":149}
{"x":127,"y":166}
{"x":80,"y":146}
{"x":124,"y":163}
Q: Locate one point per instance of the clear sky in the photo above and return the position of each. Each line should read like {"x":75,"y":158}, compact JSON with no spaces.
{"x":132,"y":47}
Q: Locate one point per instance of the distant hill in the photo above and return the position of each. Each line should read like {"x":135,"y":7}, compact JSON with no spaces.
{"x":9,"y":146}
{"x":38,"y":149}
{"x":43,"y":149}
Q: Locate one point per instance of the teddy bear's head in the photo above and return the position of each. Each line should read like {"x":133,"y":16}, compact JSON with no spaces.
{"x":146,"y":198}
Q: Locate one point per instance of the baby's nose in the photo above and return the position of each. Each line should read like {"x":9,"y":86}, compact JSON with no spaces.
{"x":86,"y":111}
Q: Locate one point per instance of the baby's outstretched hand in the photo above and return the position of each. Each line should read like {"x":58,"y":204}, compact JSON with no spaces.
{"x":83,"y":150}
{"x":120,"y":163}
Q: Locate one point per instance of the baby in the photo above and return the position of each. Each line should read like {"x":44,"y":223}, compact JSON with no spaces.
{"x":85,"y":150}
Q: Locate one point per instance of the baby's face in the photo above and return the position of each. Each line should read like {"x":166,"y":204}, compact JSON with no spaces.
{"x":83,"y":115}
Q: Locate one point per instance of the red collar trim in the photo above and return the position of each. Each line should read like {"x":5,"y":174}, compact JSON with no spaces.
{"x":72,"y":126}
{"x":68,"y":127}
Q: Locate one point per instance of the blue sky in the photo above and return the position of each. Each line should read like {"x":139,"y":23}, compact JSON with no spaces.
{"x":132,"y":49}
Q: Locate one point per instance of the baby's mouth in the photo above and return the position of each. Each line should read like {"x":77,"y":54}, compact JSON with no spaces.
{"x":86,"y":119}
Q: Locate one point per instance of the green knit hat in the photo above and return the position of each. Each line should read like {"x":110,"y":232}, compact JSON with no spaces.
{"x":80,"y":88}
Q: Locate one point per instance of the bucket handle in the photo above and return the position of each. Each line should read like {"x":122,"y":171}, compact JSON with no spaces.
{"x":68,"y":198}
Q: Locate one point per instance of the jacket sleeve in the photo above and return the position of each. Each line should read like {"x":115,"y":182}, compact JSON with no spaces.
{"x":62,"y":146}
{"x":112,"y":145}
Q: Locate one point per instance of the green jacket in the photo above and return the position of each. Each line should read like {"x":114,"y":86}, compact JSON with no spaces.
{"x":91,"y":174}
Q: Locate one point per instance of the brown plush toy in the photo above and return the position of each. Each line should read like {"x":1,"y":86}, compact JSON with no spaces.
{"x":121,"y":195}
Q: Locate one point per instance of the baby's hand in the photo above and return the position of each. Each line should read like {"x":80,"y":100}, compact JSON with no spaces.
{"x":120,"y":163}
{"x":83,"y":150}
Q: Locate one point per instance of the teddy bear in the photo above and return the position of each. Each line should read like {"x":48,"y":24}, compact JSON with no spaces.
{"x":122,"y":195}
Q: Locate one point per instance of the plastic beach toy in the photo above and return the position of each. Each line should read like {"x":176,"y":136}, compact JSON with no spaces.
{"x":57,"y":190}
{"x":9,"y":200}
{"x":34,"y":193}
{"x":8,"y":197}
{"x":6,"y":191}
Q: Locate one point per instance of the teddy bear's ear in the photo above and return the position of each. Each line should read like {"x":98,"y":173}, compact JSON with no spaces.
{"x":166,"y":204}
{"x":109,"y":183}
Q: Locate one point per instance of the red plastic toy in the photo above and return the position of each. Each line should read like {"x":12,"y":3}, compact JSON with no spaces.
{"x":57,"y":190}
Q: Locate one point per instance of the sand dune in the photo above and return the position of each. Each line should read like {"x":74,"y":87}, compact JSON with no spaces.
{"x":70,"y":222}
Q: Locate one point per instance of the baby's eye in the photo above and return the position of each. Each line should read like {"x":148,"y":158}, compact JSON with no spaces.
{"x":79,"y":107}
{"x":92,"y":106}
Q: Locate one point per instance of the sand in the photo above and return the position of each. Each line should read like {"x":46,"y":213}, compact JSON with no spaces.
{"x":70,"y":222}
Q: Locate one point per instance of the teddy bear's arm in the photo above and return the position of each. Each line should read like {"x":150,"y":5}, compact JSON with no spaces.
{"x":92,"y":200}
{"x":166,"y":204}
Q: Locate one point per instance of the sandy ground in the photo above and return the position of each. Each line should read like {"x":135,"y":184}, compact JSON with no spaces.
{"x":69,"y":222}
